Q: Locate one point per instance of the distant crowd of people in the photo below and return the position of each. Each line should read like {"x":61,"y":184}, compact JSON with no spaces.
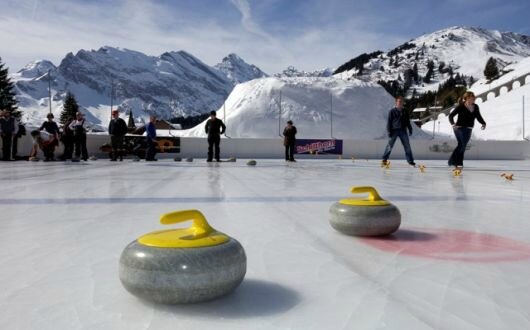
{"x":73,"y":135}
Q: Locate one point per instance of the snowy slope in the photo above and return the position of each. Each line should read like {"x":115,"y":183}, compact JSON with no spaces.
{"x":503,"y":114}
{"x":172,"y":84}
{"x":252,"y":109}
{"x":463,"y":50}
{"x":291,"y":71}
{"x":509,"y":73}
{"x":238,"y":71}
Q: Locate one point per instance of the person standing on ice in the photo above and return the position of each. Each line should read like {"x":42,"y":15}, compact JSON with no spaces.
{"x":214,"y":128}
{"x":79,"y":128}
{"x":467,"y":111}
{"x":117,"y":130}
{"x":398,"y":123}
{"x":151,"y":139}
{"x":8,"y":130}
{"x":289,"y":140}
{"x":51,"y":127}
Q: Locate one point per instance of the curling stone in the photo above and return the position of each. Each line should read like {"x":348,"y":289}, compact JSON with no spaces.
{"x":251,"y":162}
{"x":33,"y":159}
{"x":185,"y":265}
{"x":189,"y":160}
{"x":177,"y":159}
{"x":365,"y":217}
{"x":232,"y":160}
{"x":93,"y":158}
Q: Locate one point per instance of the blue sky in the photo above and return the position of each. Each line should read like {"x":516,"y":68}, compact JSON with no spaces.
{"x":271,"y":34}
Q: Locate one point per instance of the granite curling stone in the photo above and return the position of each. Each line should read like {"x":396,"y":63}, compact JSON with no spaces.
{"x":251,"y":162}
{"x":185,"y":265}
{"x":365,"y":217}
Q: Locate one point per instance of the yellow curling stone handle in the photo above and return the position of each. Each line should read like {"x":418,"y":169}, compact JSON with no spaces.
{"x":374,"y":199}
{"x":200,"y":234}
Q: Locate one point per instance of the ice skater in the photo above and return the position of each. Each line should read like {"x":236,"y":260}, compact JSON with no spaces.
{"x":467,"y":111}
{"x":214,"y":128}
{"x":289,"y":141}
{"x":397,"y":125}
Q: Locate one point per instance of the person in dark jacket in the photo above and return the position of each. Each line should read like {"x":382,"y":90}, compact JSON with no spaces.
{"x":397,"y":125}
{"x":214,"y":128}
{"x":289,"y":140}
{"x":51,"y":127}
{"x":467,"y":111}
{"x":8,"y":129}
{"x":151,"y":139}
{"x":117,"y":130}
{"x":67,"y":138}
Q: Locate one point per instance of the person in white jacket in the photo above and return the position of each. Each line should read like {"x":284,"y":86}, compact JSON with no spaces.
{"x":79,"y":127}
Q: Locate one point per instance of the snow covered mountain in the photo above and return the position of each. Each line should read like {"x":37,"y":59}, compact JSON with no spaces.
{"x":503,"y":114}
{"x":291,"y":71}
{"x":238,"y":71}
{"x":463,"y":50}
{"x":172,"y":84}
{"x":357,"y":109}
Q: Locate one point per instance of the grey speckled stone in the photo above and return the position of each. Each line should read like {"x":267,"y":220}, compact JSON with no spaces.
{"x":365,"y":220}
{"x":182,"y":275}
{"x":251,"y":162}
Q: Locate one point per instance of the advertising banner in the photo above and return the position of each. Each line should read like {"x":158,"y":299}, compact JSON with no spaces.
{"x":316,"y":146}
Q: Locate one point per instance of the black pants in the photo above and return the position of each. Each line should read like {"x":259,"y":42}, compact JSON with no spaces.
{"x":213,"y":143}
{"x":116,"y":142}
{"x":48,"y":151}
{"x":80,"y":146}
{"x":289,"y":151}
{"x":68,"y":142}
{"x":151,"y":149}
{"x":7,"y":140}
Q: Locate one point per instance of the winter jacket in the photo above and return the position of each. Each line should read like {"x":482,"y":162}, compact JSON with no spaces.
{"x":215,"y":127}
{"x":50,"y":127}
{"x":466,"y":118}
{"x":151,"y":131}
{"x":289,"y":135}
{"x":78,"y":127}
{"x":398,"y":120}
{"x":117,"y":127}
{"x":9,"y":126}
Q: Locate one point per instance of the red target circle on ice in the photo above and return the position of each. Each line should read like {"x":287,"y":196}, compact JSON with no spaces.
{"x":451,"y":244}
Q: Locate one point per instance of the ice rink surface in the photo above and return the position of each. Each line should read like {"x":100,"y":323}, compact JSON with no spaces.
{"x":461,"y":259}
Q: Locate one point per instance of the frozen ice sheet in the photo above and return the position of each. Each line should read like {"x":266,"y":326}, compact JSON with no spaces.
{"x":461,"y":259}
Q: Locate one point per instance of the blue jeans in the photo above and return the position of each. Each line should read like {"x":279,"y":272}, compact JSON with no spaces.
{"x":402,"y":134}
{"x":462,"y":134}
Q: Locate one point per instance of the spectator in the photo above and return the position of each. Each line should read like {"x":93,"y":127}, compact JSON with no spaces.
{"x":289,"y":140}
{"x":79,"y":129}
{"x":117,"y":130}
{"x":151,"y":139}
{"x":9,"y":129}
{"x":51,"y":127}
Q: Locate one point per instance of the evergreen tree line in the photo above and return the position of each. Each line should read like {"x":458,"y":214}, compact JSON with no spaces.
{"x":8,"y":99}
{"x":358,"y":62}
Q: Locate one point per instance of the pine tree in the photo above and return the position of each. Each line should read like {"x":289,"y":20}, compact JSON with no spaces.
{"x":8,"y":100}
{"x":130,"y":123}
{"x":491,"y":71}
{"x":70,"y":108}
